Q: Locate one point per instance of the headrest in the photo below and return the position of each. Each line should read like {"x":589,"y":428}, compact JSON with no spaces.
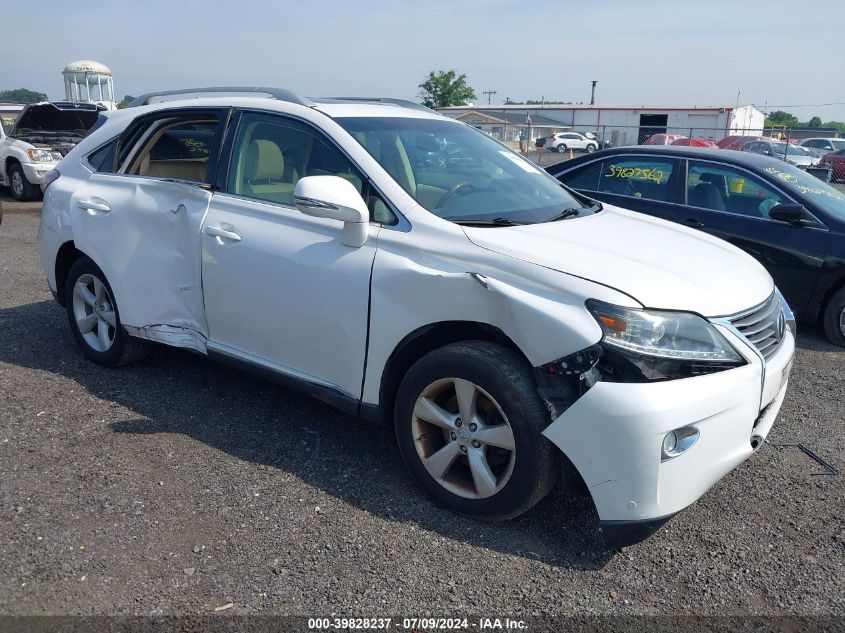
{"x":264,"y":161}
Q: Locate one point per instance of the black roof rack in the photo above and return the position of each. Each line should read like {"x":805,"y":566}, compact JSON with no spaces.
{"x":272,"y":93}
{"x":389,"y":100}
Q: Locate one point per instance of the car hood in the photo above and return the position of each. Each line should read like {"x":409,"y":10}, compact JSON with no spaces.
{"x":658,"y":263}
{"x":56,"y":117}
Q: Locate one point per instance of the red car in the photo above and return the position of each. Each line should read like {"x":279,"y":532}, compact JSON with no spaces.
{"x":662,"y":139}
{"x":837,"y":162}
{"x":693,"y":142}
{"x":737,"y":141}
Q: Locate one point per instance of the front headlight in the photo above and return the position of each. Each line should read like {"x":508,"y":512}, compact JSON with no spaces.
{"x":658,"y":345}
{"x":43,"y":155}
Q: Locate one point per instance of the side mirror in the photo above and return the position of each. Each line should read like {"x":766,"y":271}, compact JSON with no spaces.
{"x":335,"y":198}
{"x":792,"y":213}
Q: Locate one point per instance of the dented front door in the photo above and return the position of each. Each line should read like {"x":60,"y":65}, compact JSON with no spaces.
{"x":144,"y":234}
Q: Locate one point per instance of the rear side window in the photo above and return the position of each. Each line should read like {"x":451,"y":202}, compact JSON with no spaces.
{"x":584,"y":178}
{"x":102,"y":159}
{"x":176,"y":146}
{"x":638,"y":177}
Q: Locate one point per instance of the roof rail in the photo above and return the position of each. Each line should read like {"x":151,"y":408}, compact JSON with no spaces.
{"x":399,"y":102}
{"x":273,"y":93}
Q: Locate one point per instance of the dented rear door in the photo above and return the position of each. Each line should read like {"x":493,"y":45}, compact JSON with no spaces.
{"x":144,"y":235}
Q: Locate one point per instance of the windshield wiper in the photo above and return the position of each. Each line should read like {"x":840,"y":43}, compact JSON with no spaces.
{"x":566,"y":213}
{"x":493,"y":222}
{"x":572,"y":212}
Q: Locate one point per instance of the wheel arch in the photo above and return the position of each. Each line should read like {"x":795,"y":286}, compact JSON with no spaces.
{"x":422,"y":341}
{"x":835,"y":287}
{"x":8,"y":163}
{"x":65,"y":258}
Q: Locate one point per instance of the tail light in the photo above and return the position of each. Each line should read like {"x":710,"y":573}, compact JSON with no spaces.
{"x":49,"y":178}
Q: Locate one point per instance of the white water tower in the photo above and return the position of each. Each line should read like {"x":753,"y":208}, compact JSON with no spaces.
{"x":87,"y":81}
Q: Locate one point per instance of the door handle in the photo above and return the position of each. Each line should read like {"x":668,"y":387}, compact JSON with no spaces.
{"x":226,"y":232}
{"x":91,"y":205}
{"x":696,"y":224}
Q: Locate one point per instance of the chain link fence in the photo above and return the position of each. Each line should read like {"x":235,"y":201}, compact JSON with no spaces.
{"x":820,"y":151}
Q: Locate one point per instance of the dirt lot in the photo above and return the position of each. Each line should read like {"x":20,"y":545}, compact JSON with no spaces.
{"x":175,"y":486}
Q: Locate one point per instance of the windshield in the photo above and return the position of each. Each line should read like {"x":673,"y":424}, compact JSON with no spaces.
{"x":7,"y":119}
{"x":838,"y":143}
{"x":792,"y":150}
{"x":460,"y":173}
{"x":798,"y":181}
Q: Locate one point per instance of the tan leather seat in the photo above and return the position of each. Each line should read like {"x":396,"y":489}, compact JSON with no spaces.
{"x":264,"y":170}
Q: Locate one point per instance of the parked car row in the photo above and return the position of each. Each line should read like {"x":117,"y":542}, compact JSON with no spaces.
{"x":512,"y":331}
{"x":788,"y":220}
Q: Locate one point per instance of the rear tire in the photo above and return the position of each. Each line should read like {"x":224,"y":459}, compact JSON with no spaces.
{"x":561,"y":148}
{"x":834,"y":318}
{"x":22,"y":189}
{"x":497,"y":464}
{"x":95,"y":320}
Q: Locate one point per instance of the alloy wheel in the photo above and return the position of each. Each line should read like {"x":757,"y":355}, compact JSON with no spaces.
{"x":93,"y":310}
{"x":463,"y":438}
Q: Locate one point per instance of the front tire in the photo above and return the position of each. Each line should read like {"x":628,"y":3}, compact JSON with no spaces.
{"x":95,"y":320}
{"x":591,"y":148}
{"x":834,"y":318}
{"x":469,"y":425}
{"x":22,"y":189}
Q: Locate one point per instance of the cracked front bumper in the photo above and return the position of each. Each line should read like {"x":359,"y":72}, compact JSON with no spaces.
{"x":613,"y":435}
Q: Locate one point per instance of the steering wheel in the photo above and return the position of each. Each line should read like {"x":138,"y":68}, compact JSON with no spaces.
{"x":455,"y":190}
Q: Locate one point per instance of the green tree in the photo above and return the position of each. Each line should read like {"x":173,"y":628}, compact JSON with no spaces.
{"x":127,"y":99}
{"x":445,"y":88}
{"x":22,"y":95}
{"x":815,"y":122}
{"x":781,"y":118}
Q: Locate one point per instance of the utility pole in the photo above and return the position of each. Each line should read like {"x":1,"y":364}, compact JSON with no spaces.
{"x":489,"y":94}
{"x":593,"y":93}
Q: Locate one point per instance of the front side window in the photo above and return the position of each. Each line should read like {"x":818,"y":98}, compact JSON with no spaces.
{"x":638,"y":177}
{"x":272,"y":153}
{"x":458,"y":174}
{"x":180,"y":149}
{"x":724,"y":188}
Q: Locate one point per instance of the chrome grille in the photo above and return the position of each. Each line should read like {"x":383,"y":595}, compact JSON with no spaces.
{"x":763,"y":327}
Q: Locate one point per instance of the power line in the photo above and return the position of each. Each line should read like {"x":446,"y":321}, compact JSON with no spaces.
{"x":808,"y":105}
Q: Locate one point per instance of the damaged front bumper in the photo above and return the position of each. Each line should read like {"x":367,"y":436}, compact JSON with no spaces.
{"x":613,"y":434}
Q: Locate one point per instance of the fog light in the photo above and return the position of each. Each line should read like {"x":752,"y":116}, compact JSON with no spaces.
{"x":678,"y":442}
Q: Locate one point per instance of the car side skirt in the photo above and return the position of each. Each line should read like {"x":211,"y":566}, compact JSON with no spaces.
{"x":311,"y":387}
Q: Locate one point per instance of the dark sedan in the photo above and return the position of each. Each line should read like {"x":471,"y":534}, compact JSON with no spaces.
{"x":790,"y":221}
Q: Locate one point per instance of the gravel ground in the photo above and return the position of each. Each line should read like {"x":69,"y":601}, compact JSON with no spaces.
{"x":175,"y":486}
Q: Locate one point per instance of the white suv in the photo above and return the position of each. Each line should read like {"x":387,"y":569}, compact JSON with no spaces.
{"x":564,"y":141}
{"x":40,"y":135}
{"x":497,"y":319}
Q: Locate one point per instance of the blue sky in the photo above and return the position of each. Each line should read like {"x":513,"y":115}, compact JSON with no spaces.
{"x":669,"y":53}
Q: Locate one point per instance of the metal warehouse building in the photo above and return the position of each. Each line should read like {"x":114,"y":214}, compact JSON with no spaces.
{"x":621,"y":125}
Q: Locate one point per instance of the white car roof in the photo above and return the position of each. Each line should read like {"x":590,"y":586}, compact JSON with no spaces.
{"x":331,"y":107}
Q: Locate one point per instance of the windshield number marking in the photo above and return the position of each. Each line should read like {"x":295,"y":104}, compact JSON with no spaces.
{"x":636,"y":173}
